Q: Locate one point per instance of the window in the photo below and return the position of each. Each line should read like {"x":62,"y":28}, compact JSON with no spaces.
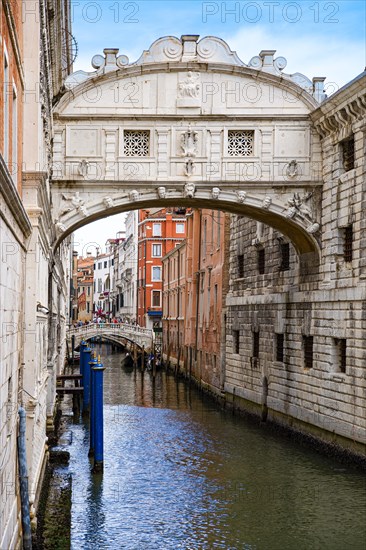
{"x":14,"y":154}
{"x":348,"y":153}
{"x":88,"y":290}
{"x":156,"y":250}
{"x":285,"y":256}
{"x":105,"y":264}
{"x":156,"y":298}
{"x":240,"y":266}
{"x":204,"y":243}
{"x":236,"y":341}
{"x":240,"y":143}
{"x":99,"y":265}
{"x":112,"y":261}
{"x":136,"y":143}
{"x":341,"y":358}
{"x":256,"y":344}
{"x":261,"y":261}
{"x":179,"y":227}
{"x":6,"y":109}
{"x":308,"y":351}
{"x":87,"y":307}
{"x":280,"y":340}
{"x":348,"y":243}
{"x":156,"y":273}
{"x":156,"y":229}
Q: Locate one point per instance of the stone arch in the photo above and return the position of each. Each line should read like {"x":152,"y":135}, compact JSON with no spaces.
{"x":188,"y":97}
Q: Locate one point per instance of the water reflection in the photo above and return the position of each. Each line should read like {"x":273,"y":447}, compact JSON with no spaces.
{"x":180,"y":473}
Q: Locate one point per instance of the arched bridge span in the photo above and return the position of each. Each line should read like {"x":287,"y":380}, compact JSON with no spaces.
{"x":115,"y":332}
{"x":189,"y":124}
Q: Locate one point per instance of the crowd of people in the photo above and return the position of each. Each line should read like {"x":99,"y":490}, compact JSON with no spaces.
{"x":101,"y":320}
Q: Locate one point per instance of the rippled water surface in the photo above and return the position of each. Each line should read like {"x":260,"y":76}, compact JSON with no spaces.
{"x":179,"y":473}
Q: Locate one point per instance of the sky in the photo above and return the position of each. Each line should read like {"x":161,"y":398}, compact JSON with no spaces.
{"x":318,"y":38}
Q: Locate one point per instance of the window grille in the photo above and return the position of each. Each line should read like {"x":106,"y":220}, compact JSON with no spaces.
{"x":261,"y":260}
{"x":348,"y":243}
{"x":136,"y":143}
{"x":280,"y":340}
{"x":241,"y":266}
{"x":240,"y":143}
{"x":348,"y":153}
{"x":285,"y":257}
{"x":308,"y":351}
{"x":256,"y":344}
{"x":236,"y":341}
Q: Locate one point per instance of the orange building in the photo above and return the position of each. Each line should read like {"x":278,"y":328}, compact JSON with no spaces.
{"x":83,"y":279}
{"x":11,"y":90}
{"x":158,"y":233}
{"x":195,"y":289}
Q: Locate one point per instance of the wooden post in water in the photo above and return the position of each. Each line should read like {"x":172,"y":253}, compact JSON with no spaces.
{"x":143,"y":359}
{"x":134,"y":356}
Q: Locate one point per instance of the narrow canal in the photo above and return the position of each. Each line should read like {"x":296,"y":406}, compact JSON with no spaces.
{"x":182,"y":474}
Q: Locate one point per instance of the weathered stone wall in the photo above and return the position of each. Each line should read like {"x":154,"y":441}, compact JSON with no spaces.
{"x":328,"y":398}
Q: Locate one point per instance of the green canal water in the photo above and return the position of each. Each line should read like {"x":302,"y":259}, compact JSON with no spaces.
{"x":180,"y":473}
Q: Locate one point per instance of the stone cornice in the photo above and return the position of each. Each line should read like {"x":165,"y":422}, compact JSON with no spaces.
{"x":342,"y":109}
{"x":14,"y":38}
{"x":12,"y":199}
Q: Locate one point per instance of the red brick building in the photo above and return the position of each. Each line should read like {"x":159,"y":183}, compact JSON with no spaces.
{"x":196,"y":276}
{"x":158,"y":233}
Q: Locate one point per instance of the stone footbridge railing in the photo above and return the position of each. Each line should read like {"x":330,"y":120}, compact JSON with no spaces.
{"x":119,"y":333}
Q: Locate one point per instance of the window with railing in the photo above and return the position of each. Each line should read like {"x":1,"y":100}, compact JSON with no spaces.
{"x":280,"y":342}
{"x":348,"y":153}
{"x":308,"y":347}
{"x":348,"y":243}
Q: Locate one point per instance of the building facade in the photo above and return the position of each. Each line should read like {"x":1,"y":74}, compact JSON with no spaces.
{"x":84,"y":278}
{"x":296,"y":337}
{"x":34,"y":277}
{"x":158,"y":233}
{"x":126,"y":265}
{"x":103,"y":285}
{"x":174,"y":305}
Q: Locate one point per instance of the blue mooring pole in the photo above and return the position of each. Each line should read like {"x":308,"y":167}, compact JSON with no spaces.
{"x":86,"y":378}
{"x":98,"y":412}
{"x":83,"y":345}
{"x":92,"y":363}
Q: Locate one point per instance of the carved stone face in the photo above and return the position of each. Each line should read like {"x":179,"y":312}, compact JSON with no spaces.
{"x":215,"y":193}
{"x":134,"y":195}
{"x":189,"y":190}
{"x":161,"y":192}
{"x":267,"y":203}
{"x":241,"y":196}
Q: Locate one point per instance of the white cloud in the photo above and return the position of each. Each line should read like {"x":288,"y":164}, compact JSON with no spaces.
{"x":338,"y":59}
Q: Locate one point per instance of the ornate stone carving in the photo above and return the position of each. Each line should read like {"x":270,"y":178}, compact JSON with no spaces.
{"x":134,"y":195}
{"x":313,"y":228}
{"x":161,"y":192}
{"x":189,"y":143}
{"x":241,"y":196}
{"x":189,"y":167}
{"x":292,"y":169}
{"x":190,"y":86}
{"x":266,"y":203}
{"x":60,"y":227}
{"x":76,"y":203}
{"x":189,"y":190}
{"x":83,"y":168}
{"x":297,"y":206}
{"x":108,"y":201}
{"x":215,"y":193}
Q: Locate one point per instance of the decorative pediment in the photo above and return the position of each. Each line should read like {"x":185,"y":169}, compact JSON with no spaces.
{"x":189,"y":49}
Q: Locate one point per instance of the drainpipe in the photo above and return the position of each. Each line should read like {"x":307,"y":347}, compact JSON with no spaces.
{"x":23,"y":482}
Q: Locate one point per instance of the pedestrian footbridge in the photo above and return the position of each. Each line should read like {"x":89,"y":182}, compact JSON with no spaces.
{"x":118,"y":333}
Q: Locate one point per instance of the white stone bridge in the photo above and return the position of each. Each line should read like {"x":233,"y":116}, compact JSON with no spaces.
{"x":189,"y":124}
{"x":118,"y":333}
